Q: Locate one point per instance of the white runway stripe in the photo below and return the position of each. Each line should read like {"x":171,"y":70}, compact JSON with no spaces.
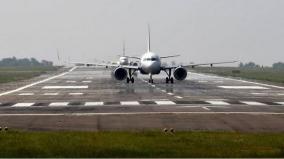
{"x":170,"y":94}
{"x":70,"y":81}
{"x":87,"y":81}
{"x":243,"y":87}
{"x":282,"y":103}
{"x":75,"y":94}
{"x":58,"y":104}
{"x":165,"y":103}
{"x":23,"y":104}
{"x":217,"y":102}
{"x":130,"y":103}
{"x":252,"y":103}
{"x":65,"y":87}
{"x":179,"y":97}
{"x":26,"y":94}
{"x":94,"y":103}
{"x":50,"y":94}
{"x":280,"y":94}
{"x":259,"y":93}
{"x":205,"y":108}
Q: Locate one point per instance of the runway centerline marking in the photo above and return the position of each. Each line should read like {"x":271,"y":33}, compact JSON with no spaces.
{"x":86,"y":81}
{"x":243,"y":87}
{"x":179,"y":97}
{"x":282,"y":103}
{"x":71,"y":81}
{"x":36,"y":83}
{"x":23,"y":104}
{"x":252,"y":103}
{"x":205,"y":108}
{"x":65,"y":87}
{"x":171,"y":94}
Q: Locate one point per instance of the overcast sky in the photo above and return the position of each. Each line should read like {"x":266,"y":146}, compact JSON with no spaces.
{"x":199,"y":30}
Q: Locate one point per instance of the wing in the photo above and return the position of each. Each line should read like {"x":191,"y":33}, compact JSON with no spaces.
{"x":132,"y":57}
{"x":164,"y":57}
{"x":201,"y":64}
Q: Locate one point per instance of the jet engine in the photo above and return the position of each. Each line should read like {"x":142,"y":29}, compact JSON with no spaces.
{"x":180,"y":73}
{"x":120,"y":73}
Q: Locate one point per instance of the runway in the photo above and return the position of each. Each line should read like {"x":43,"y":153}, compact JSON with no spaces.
{"x":89,"y":99}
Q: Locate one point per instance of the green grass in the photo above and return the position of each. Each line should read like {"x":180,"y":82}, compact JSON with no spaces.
{"x":265,"y":74}
{"x":10,"y":74}
{"x":140,"y":144}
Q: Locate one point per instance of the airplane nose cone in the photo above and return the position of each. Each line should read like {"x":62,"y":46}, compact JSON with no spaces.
{"x":152,"y":67}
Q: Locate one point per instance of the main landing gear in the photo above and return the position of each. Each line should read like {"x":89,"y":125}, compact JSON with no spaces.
{"x":169,"y":79}
{"x":130,"y":74}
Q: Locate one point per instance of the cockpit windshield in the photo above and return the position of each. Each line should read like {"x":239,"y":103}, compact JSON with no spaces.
{"x":150,"y":59}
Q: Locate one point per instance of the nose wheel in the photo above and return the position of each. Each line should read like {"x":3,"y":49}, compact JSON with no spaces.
{"x":170,"y":80}
{"x":128,"y":80}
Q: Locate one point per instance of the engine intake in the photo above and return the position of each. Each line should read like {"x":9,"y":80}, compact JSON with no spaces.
{"x":120,"y":73}
{"x":180,"y":73}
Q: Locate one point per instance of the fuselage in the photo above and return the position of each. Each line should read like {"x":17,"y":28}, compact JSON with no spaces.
{"x":150,"y":63}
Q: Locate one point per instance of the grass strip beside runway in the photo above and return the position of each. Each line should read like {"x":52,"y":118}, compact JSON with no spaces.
{"x":140,"y":144}
{"x":10,"y":74}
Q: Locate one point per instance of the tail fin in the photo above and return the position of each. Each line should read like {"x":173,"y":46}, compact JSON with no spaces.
{"x":123,"y":49}
{"x":149,"y":38}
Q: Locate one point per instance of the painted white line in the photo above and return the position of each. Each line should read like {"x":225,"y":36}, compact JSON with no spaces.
{"x":36,"y":83}
{"x":219,"y":81}
{"x":76,"y":94}
{"x":65,"y":87}
{"x":205,"y":108}
{"x":217,"y":102}
{"x":58,"y":104}
{"x":280,"y":94}
{"x":87,"y":81}
{"x":70,"y":81}
{"x":226,"y":78}
{"x":202,"y":81}
{"x":243,"y":87}
{"x":50,"y":94}
{"x":171,"y":94}
{"x":282,"y":103}
{"x":153,"y":85}
{"x":165,"y":103}
{"x":164,"y":91}
{"x":129,"y":103}
{"x":94,"y":103}
{"x":144,"y":113}
{"x":26,"y":94}
{"x":252,"y":103}
{"x":179,"y":97}
{"x":259,"y":93}
{"x":23,"y":104}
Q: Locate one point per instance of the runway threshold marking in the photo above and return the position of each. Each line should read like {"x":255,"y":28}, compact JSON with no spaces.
{"x":58,"y":104}
{"x":129,"y":103}
{"x":26,"y":94}
{"x":36,"y":83}
{"x":23,"y":104}
{"x":94,"y":103}
{"x":217,"y":102}
{"x":144,"y":113}
{"x":65,"y":87}
{"x":165,"y":103}
{"x":252,"y":103}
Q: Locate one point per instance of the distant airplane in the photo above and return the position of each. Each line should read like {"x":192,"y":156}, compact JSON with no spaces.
{"x":150,"y":64}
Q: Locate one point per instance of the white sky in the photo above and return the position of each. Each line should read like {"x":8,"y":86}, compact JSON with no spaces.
{"x":199,"y":30}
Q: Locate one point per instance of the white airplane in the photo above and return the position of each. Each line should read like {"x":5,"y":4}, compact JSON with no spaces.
{"x":150,"y":64}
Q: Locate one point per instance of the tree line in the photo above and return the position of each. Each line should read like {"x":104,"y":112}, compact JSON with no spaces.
{"x":278,"y":65}
{"x":13,"y":61}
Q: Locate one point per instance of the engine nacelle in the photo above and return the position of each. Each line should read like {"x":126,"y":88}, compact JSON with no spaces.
{"x":120,"y":73}
{"x":180,"y":73}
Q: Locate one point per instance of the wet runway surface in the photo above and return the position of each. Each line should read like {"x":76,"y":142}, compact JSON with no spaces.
{"x":89,"y":99}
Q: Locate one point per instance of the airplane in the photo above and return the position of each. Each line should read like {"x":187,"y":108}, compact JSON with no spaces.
{"x":150,"y":64}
